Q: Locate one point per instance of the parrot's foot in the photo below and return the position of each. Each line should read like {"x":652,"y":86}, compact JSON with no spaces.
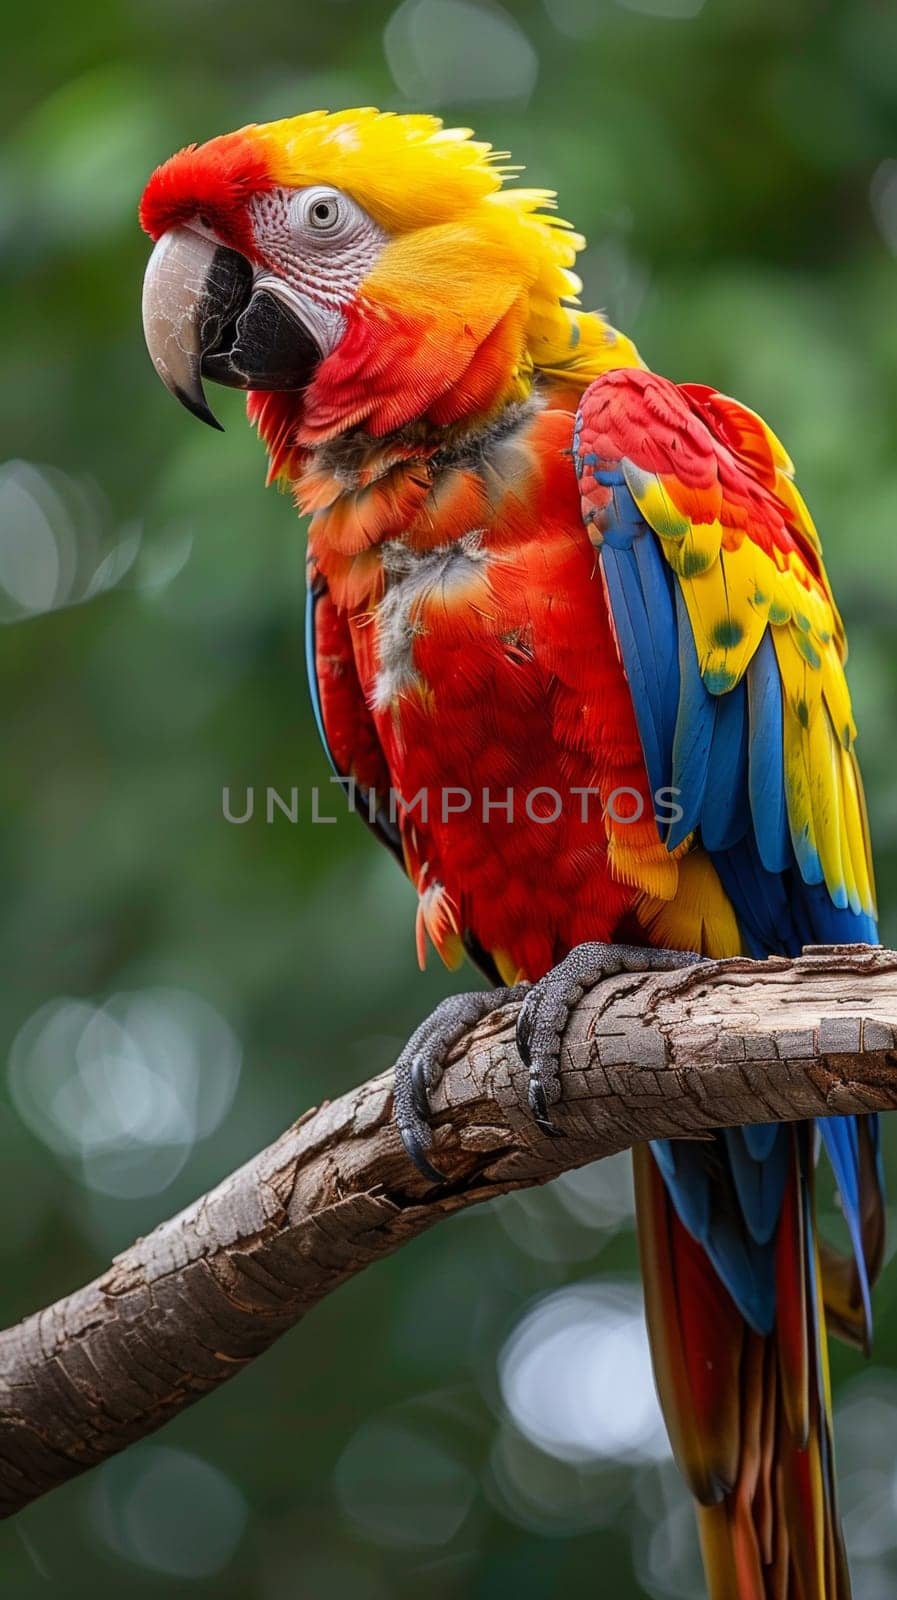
{"x":544,"y":1013}
{"x":423,"y":1060}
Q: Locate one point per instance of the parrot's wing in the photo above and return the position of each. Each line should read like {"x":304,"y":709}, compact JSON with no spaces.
{"x":733,"y":650}
{"x":734,"y":654}
{"x":343,"y":720}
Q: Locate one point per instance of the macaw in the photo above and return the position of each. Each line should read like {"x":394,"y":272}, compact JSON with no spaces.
{"x":576,"y":616}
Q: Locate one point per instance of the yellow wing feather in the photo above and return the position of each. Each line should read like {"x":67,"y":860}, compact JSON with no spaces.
{"x":735,"y":589}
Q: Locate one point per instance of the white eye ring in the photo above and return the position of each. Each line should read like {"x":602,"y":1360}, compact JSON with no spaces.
{"x":322,"y":210}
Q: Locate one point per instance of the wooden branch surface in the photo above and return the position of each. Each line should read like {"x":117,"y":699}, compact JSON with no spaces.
{"x":644,"y":1057}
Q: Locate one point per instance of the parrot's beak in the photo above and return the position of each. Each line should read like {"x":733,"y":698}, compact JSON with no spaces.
{"x":202,"y":317}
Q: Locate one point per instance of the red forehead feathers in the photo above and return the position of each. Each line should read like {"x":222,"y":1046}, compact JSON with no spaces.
{"x":216,"y":179}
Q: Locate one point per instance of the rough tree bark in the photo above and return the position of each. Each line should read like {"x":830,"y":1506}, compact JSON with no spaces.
{"x":644,"y":1057}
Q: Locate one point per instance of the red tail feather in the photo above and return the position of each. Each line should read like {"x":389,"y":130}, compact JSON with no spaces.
{"x":748,"y":1415}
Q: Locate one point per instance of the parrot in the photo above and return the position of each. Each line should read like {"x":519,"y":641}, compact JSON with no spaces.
{"x":575,"y":616}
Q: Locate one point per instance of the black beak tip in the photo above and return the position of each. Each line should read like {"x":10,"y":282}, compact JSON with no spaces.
{"x":198,"y":405}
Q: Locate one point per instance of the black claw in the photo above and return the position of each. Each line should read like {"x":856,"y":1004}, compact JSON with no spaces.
{"x":416,"y":1150}
{"x":550,"y":1128}
{"x":537,"y":1102}
{"x":539,"y":1107}
{"x":523,"y":1039}
{"x":420,"y":1098}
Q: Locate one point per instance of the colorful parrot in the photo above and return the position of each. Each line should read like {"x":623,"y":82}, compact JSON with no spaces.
{"x":575,"y":615}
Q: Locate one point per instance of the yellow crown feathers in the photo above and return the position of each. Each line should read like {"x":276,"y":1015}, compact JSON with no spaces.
{"x":409,"y":172}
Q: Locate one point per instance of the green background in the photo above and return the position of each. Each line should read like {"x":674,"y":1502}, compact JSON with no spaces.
{"x":735,"y":168}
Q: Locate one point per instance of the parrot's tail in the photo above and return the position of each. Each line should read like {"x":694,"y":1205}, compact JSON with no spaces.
{"x":748,"y":1412}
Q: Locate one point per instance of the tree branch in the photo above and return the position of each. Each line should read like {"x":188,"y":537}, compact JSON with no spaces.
{"x":644,"y":1057}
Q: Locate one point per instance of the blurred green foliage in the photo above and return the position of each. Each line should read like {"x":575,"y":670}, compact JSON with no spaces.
{"x":734,"y":165}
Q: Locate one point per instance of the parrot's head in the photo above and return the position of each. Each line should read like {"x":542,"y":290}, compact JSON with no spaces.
{"x":359,"y":270}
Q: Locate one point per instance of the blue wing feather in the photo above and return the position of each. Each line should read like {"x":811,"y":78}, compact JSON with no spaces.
{"x":746,"y":1267}
{"x":640,"y":592}
{"x":760,"y":1138}
{"x":693,"y":736}
{"x":759,"y":1180}
{"x":839,"y":1135}
{"x":766,"y":762}
{"x":633,"y":633}
{"x":725,"y":815}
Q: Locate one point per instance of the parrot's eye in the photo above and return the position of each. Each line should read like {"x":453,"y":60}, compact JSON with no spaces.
{"x":324,"y":211}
